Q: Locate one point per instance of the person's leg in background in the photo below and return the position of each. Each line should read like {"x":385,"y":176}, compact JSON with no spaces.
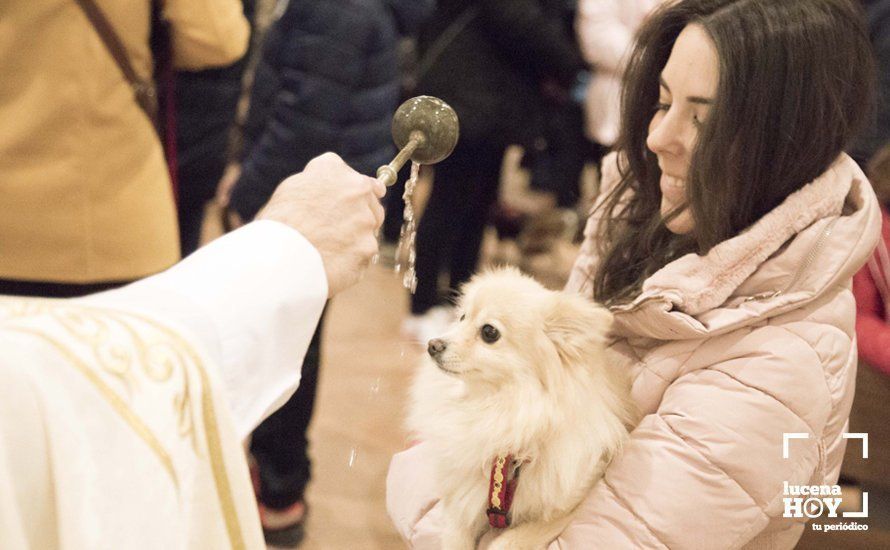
{"x":281,"y":449}
{"x":394,"y":206}
{"x":465,"y":186}
{"x":190,"y":212}
{"x":437,"y":227}
{"x":481,"y":183}
{"x":453,"y":188}
{"x":206,"y":102}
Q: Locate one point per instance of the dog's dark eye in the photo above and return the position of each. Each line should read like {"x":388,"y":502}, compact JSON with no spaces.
{"x":490,"y":334}
{"x":464,"y":316}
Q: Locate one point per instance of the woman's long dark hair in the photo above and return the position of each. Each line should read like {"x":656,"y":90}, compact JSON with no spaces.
{"x":795,"y":86}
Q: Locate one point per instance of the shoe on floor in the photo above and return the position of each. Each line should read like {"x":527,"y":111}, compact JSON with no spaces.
{"x":432,"y":324}
{"x":284,"y":528}
{"x":281,"y":528}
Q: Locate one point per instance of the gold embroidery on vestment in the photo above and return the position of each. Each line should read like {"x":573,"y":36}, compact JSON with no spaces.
{"x":113,"y":399}
{"x":116,"y":355}
{"x":160,"y":360}
{"x":214,"y":445}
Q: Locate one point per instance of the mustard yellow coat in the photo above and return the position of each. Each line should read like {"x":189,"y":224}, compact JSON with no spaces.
{"x":84,"y":190}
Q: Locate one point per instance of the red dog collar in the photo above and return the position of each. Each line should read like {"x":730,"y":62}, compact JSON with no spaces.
{"x":501,"y":486}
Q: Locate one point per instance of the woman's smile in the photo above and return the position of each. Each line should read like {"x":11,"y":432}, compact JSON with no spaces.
{"x":673,"y":189}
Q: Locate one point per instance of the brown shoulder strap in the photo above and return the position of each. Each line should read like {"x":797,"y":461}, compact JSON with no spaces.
{"x":144,"y":91}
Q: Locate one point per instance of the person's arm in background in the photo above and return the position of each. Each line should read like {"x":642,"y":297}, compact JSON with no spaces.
{"x":872,"y":330}
{"x":532,"y":37}
{"x":206,"y":33}
{"x":252,"y":298}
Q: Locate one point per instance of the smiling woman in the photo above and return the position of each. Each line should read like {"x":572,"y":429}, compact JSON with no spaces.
{"x":724,"y":242}
{"x":728,"y":108}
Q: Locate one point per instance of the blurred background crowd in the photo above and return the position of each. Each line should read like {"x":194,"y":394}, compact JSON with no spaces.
{"x":136,"y":130}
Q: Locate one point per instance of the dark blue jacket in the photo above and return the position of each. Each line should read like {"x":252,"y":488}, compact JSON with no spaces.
{"x":328,"y":80}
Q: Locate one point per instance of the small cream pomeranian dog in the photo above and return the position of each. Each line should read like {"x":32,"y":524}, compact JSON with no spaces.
{"x":520,"y":410}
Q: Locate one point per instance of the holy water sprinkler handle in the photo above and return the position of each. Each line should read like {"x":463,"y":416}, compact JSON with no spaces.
{"x":425,"y":129}
{"x":388,"y":173}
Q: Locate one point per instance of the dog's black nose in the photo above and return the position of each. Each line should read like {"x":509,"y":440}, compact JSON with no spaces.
{"x":436,"y":346}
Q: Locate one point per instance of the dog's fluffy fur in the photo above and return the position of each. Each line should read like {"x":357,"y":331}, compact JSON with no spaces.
{"x":542,"y":392}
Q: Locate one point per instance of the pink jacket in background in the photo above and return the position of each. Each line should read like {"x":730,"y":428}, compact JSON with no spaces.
{"x":727,"y":351}
{"x":606,"y":30}
{"x":871,"y":286}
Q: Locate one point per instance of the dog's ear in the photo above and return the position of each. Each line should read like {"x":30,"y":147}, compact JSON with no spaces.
{"x":576,"y":325}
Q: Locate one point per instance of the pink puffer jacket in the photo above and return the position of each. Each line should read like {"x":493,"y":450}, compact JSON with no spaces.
{"x":727,"y":351}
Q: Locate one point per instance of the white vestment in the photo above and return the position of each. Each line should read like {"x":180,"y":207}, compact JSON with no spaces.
{"x":122,"y":414}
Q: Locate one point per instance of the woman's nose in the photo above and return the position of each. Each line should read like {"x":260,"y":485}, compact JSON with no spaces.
{"x":665,"y":135}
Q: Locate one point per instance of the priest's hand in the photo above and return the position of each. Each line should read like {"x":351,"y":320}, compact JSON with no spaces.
{"x":338,"y":210}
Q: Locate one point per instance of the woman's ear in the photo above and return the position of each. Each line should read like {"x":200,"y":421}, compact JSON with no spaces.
{"x":577,"y":325}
